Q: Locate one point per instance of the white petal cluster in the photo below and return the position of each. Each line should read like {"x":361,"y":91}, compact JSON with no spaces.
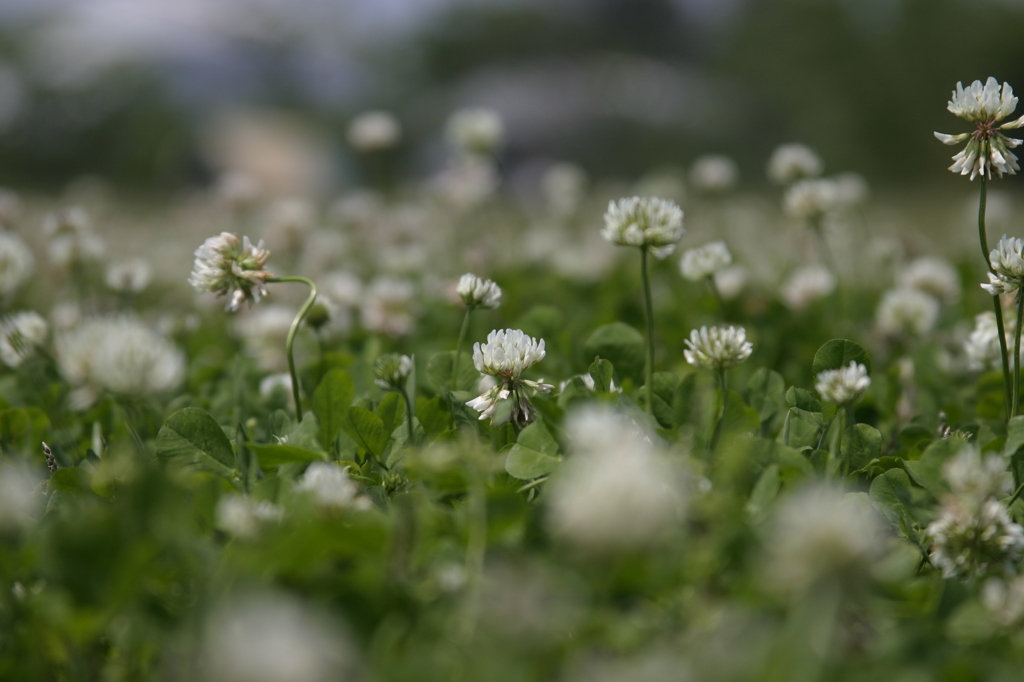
{"x":982,"y":345}
{"x":272,"y":637}
{"x":20,"y":335}
{"x":615,"y":492}
{"x":70,"y":238}
{"x":987,"y":147}
{"x":717,"y":347}
{"x":792,"y":162}
{"x":973,"y":475}
{"x":391,"y":370}
{"x":806,"y":285}
{"x":373,"y":131}
{"x":809,"y":201}
{"x":477,"y":292}
{"x":129,"y":276}
{"x":507,"y":353}
{"x":1007,"y":266}
{"x":331,"y":487}
{"x":820,"y":534}
{"x":244,"y":517}
{"x":1004,"y":599}
{"x":646,"y":222}
{"x":906,"y":312}
{"x":119,"y":354}
{"x":16,"y":263}
{"x":932,"y":275}
{"x":705,"y":261}
{"x":229,"y":267}
{"x":714,"y":174}
{"x":843,"y":386}
{"x":475,"y":131}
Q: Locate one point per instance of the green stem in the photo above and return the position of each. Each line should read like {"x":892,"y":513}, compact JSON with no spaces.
{"x":458,"y":347}
{"x":408,"y":416}
{"x":721,"y":418}
{"x":1015,"y":397}
{"x":289,"y":344}
{"x":1003,"y":351}
{"x":649,"y":314}
{"x":476,"y":545}
{"x":717,"y":294}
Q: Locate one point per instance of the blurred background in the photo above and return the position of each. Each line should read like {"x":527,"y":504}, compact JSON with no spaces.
{"x":162,"y":96}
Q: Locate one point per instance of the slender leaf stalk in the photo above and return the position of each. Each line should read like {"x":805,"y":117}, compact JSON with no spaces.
{"x":649,"y":314}
{"x":290,"y":343}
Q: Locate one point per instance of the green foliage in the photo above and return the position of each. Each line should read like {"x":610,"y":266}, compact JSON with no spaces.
{"x":620,"y":344}
{"x":192,"y":437}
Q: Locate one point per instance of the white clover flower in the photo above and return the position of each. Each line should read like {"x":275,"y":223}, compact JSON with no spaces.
{"x":228,"y":267}
{"x":987,"y":147}
{"x":717,"y":348}
{"x":244,"y":517}
{"x":973,"y":476}
{"x":810,"y":201}
{"x":648,"y":222}
{"x":704,"y":261}
{"x":1004,"y":599}
{"x":121,"y":355}
{"x":714,"y":174}
{"x":475,"y":131}
{"x":19,"y":502}
{"x":615,"y":492}
{"x":1007,"y":263}
{"x":272,"y":637}
{"x":820,"y":534}
{"x":933,"y":276}
{"x":731,"y":281}
{"x":843,"y":386}
{"x":274,"y":382}
{"x":468,"y":182}
{"x":806,"y":285}
{"x":331,"y":487}
{"x":971,"y":540}
{"x":982,"y":346}
{"x":70,"y":238}
{"x":373,"y":131}
{"x":505,"y":356}
{"x":906,"y":312}
{"x":852,"y":189}
{"x":391,"y":370}
{"x":388,"y":306}
{"x":129,"y":276}
{"x":792,"y":162}
{"x":16,"y":263}
{"x":477,"y":292}
{"x":20,"y":335}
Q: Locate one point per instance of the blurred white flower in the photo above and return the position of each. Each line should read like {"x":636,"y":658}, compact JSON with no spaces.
{"x":792,"y":162}
{"x":70,"y":239}
{"x":714,"y":174}
{"x":273,"y":638}
{"x":852,"y":189}
{"x":932,"y":275}
{"x":16,"y":263}
{"x":373,"y":131}
{"x":982,"y":346}
{"x":19,"y":502}
{"x":704,"y":261}
{"x":391,"y":370}
{"x":331,"y":487}
{"x":987,"y":147}
{"x":564,"y":186}
{"x":388,"y":306}
{"x":20,"y":335}
{"x":1004,"y":599}
{"x":717,"y":348}
{"x":475,"y":131}
{"x":129,"y":276}
{"x":505,"y":356}
{"x":843,"y":386}
{"x":906,"y":312}
{"x":229,"y":267}
{"x":1007,"y":263}
{"x":119,"y":354}
{"x":244,"y":517}
{"x":819,"y":534}
{"x":806,"y":285}
{"x":810,"y":201}
{"x":281,"y":381}
{"x":731,"y":281}
{"x":477,"y":292}
{"x":972,"y":540}
{"x":615,"y":492}
{"x":647,"y":222}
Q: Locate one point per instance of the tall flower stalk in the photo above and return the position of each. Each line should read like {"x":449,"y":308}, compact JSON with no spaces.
{"x":292,"y":331}
{"x":654,"y":226}
{"x":1006,"y":275}
{"x":718,"y":349}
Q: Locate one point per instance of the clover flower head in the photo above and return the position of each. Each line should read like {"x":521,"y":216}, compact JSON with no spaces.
{"x":811,"y":200}
{"x":1007,"y":266}
{"x":16,"y":263}
{"x":982,"y":345}
{"x":843,"y":386}
{"x":987,"y":147}
{"x":933,"y":276}
{"x":705,"y":261}
{"x":229,"y":267}
{"x":647,"y":222}
{"x":245,"y":517}
{"x":331,"y":487}
{"x":373,"y":131}
{"x":477,"y":292}
{"x":906,"y":312}
{"x":475,"y":130}
{"x":972,"y":540}
{"x":717,"y":348}
{"x":20,"y":335}
{"x":505,"y":356}
{"x":129,"y":276}
{"x":391,"y":370}
{"x":792,"y":162}
{"x":807,"y":284}
{"x":1004,"y":599}
{"x":714,"y":174}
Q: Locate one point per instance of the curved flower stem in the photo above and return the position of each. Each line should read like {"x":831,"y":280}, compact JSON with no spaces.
{"x":1015,"y":396}
{"x":1008,"y":400}
{"x":293,"y":331}
{"x":649,"y":314}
